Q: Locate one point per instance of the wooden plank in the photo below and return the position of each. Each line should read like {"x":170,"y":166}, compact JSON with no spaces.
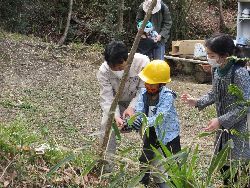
{"x":185,"y":60}
{"x":190,"y":56}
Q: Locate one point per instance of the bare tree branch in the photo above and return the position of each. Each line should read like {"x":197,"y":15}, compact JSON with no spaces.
{"x":63,"y":38}
{"x":5,"y":169}
{"x":222,"y":25}
{"x":120,"y":15}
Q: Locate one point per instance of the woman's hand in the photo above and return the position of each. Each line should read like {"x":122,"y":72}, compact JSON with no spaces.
{"x":188,"y":99}
{"x":212,"y":125}
{"x":128,"y":112}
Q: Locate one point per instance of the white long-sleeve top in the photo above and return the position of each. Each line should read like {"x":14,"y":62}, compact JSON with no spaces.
{"x":109,"y":84}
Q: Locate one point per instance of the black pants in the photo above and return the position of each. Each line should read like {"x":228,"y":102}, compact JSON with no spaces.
{"x":147,"y":154}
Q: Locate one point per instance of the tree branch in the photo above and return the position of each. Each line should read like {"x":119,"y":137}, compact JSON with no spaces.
{"x":63,"y":38}
{"x":222,"y":25}
{"x":120,"y":15}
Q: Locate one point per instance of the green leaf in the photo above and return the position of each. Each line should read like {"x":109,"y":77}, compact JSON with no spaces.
{"x":116,"y":179}
{"x":159,"y":119}
{"x":158,"y":155}
{"x":131,"y":120}
{"x":204,"y":134}
{"x":164,"y":134}
{"x":58,"y":165}
{"x":234,"y":132}
{"x":147,"y":132}
{"x":126,"y":150}
{"x":236,"y":91}
{"x":144,"y":126}
{"x":192,"y":164}
{"x":165,"y":150}
{"x":183,"y":157}
{"x":235,"y":58}
{"x":134,"y":181}
{"x":117,"y":132}
{"x":89,"y":168}
{"x":245,"y":135}
{"x":218,"y":161}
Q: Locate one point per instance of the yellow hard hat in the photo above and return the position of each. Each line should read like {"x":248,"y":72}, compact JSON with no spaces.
{"x":156,"y":72}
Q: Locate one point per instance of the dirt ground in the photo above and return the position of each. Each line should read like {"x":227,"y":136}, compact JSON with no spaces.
{"x":55,"y":88}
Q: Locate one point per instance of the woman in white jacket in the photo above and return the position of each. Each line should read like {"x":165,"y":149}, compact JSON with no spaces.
{"x":109,"y":77}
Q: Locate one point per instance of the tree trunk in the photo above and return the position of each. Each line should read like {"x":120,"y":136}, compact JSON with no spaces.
{"x":111,"y":113}
{"x":63,"y":38}
{"x":222,"y":26}
{"x":120,"y":15}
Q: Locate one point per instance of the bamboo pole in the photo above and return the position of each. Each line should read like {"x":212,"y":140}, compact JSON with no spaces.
{"x":111,"y":113}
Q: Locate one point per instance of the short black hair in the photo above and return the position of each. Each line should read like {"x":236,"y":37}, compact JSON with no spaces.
{"x":116,"y":52}
{"x":221,"y":44}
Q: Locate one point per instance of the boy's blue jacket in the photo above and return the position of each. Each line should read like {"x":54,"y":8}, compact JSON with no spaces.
{"x":169,"y":129}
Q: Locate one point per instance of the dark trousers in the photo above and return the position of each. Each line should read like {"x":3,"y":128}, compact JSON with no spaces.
{"x":147,"y":154}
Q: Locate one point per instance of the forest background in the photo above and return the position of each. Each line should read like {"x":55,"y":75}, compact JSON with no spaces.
{"x":99,"y":21}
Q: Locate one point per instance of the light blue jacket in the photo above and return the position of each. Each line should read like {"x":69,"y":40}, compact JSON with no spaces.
{"x":170,"y":128}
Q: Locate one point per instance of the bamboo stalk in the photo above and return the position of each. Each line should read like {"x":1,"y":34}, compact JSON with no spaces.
{"x":111,"y":113}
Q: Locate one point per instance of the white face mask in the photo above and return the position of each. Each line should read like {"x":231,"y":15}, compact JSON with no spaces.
{"x":119,"y":74}
{"x":213,"y":62}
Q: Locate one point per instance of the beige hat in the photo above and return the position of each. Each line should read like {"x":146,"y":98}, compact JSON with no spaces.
{"x":147,"y":3}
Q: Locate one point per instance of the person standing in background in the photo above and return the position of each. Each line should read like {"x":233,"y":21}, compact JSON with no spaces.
{"x":162,"y":22}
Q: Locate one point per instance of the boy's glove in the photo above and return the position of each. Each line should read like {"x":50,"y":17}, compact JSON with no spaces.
{"x":137,"y":124}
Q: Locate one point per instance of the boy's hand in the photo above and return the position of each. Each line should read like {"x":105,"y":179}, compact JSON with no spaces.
{"x":126,"y":128}
{"x":213,"y":125}
{"x":188,"y":99}
{"x":128,"y":112}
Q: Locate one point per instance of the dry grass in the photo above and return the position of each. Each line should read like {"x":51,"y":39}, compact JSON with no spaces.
{"x":55,"y":91}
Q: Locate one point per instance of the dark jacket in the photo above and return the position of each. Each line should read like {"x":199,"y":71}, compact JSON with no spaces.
{"x":161,"y":20}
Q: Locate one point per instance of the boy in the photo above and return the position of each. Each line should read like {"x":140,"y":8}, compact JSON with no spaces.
{"x":156,"y":98}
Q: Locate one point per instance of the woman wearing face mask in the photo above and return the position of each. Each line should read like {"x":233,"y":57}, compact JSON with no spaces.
{"x":229,"y":115}
{"x":109,"y":77}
